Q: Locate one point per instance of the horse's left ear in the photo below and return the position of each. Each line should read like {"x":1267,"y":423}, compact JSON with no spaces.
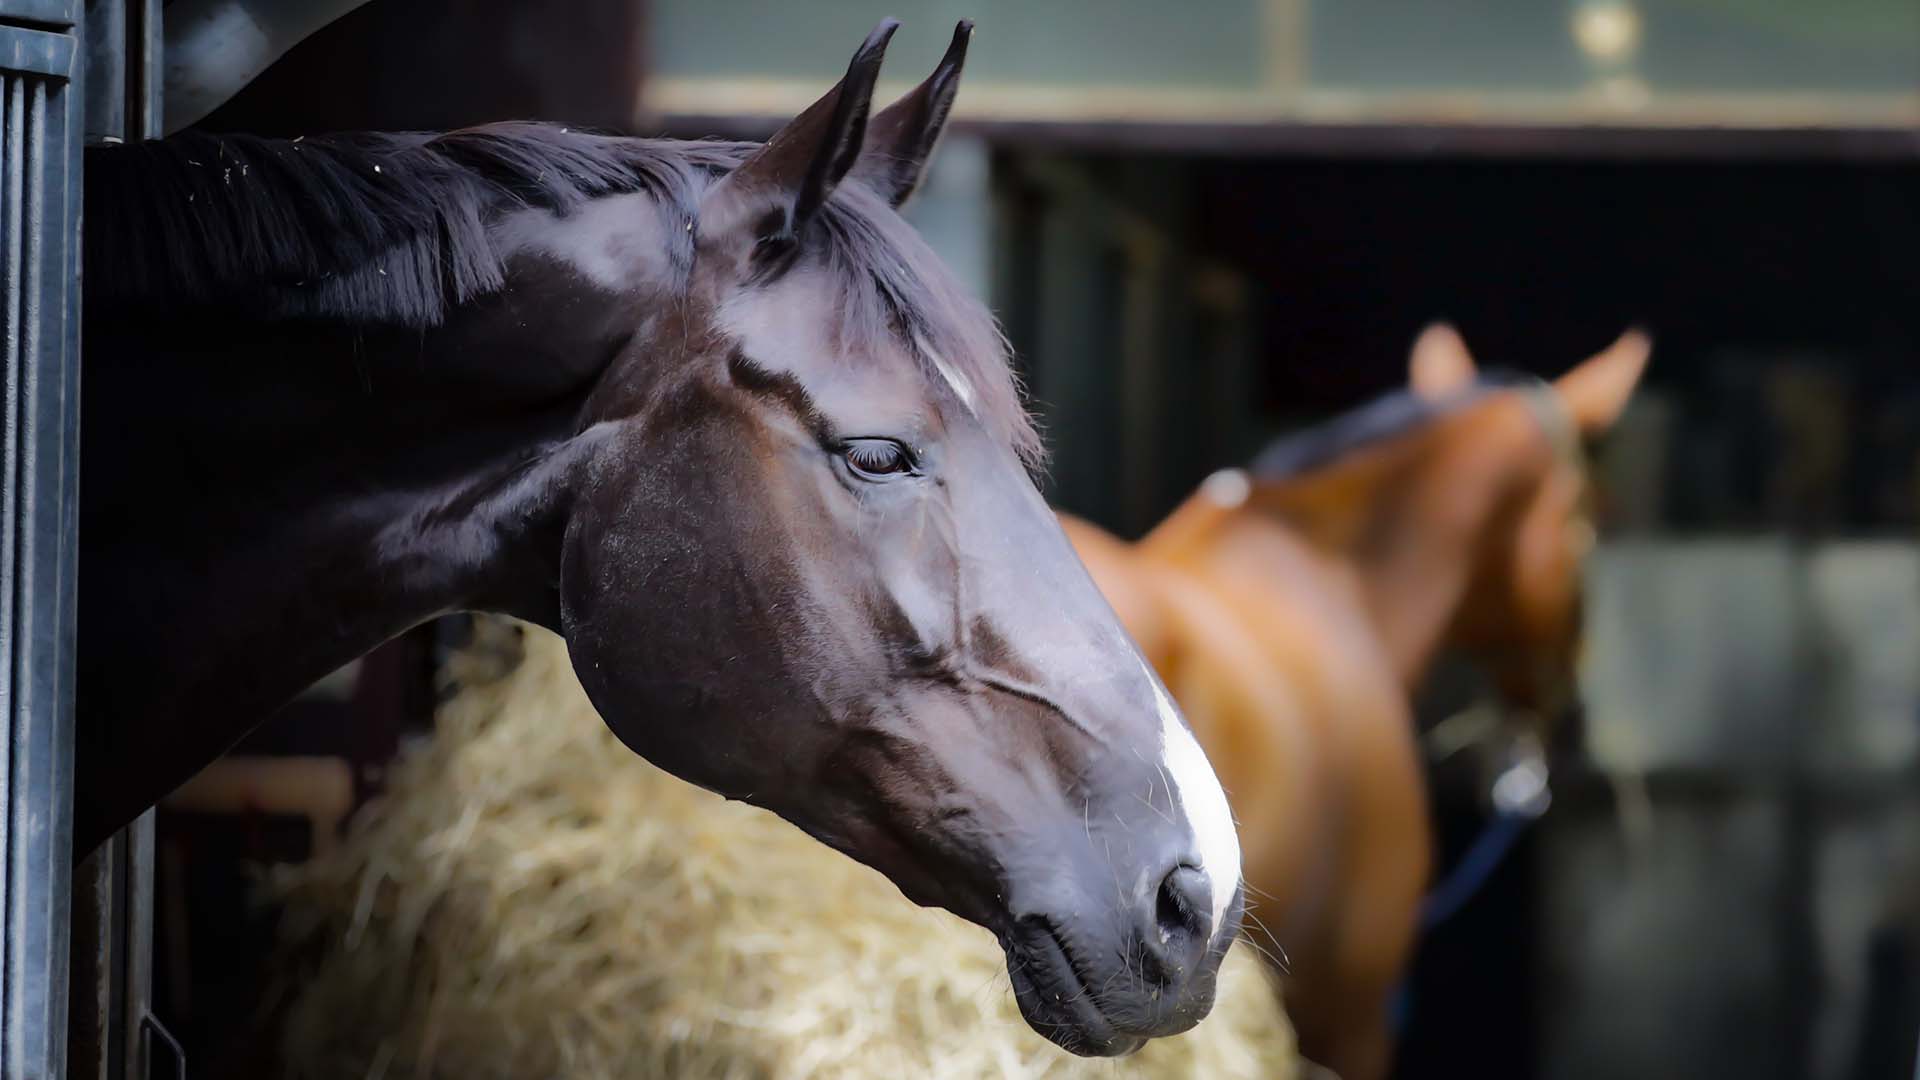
{"x":1597,"y":389}
{"x":776,"y":191}
{"x":1440,"y":364}
{"x":901,"y":137}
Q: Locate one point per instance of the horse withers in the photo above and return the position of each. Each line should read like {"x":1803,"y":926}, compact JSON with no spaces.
{"x":710,"y":410}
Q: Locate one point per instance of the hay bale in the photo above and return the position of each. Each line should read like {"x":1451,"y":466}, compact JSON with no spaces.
{"x":532,"y":900}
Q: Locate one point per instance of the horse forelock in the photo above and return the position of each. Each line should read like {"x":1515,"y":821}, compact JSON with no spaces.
{"x":892,"y":284}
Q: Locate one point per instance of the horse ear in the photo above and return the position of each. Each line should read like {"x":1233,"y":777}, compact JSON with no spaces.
{"x":1597,"y":389}
{"x":1440,"y":364}
{"x":776,"y":191}
{"x":902,"y":136}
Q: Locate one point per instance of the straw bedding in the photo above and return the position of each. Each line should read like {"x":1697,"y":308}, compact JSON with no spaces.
{"x":530,"y":899}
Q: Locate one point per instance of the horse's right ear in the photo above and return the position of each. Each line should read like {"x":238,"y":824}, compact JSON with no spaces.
{"x":772,"y":195}
{"x":1597,"y":389}
{"x":1440,"y":364}
{"x":903,"y":135}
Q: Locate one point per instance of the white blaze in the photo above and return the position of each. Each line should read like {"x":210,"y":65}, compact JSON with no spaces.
{"x":961,"y":387}
{"x":1205,"y":802}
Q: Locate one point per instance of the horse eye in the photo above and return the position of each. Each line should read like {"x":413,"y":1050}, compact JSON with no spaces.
{"x":877,"y":459}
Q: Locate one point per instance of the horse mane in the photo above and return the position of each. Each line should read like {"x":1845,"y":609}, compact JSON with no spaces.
{"x":394,"y":229}
{"x":1387,"y":417}
{"x":380,"y":228}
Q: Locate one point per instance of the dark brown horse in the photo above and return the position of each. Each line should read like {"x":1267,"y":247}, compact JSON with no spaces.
{"x":710,"y":410}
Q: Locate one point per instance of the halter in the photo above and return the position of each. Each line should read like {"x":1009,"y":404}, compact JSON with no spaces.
{"x":1521,"y":792}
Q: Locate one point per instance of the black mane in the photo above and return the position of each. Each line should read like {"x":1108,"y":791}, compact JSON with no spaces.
{"x":1393,"y":414}
{"x":395,"y":229}
{"x":373,"y":228}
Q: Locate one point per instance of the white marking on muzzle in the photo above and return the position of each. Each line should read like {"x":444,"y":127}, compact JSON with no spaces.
{"x":1205,"y":801}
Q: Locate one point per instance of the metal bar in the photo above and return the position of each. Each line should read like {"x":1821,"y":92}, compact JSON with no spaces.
{"x":107,"y":74}
{"x":1530,"y":141}
{"x":111,"y":977}
{"x":92,"y":1032}
{"x":125,"y":951}
{"x":36,"y":906}
{"x":39,"y":304}
{"x":12,"y":99}
{"x":37,"y":52}
{"x":145,"y":72}
{"x":112,"y":928}
{"x":136,"y":944}
{"x":1391,"y":141}
{"x":150,"y":1025}
{"x":54,"y":13}
{"x":39,"y":839}
{"x":12,"y":177}
{"x":146,"y":77}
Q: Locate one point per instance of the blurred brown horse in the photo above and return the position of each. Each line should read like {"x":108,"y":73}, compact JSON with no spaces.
{"x":1293,"y":607}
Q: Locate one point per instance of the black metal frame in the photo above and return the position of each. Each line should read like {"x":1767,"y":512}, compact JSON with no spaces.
{"x":112,"y":902}
{"x":68,"y":72}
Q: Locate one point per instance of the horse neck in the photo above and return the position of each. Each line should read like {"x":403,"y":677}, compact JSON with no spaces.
{"x":376,"y":419}
{"x":266,"y":503}
{"x":1413,"y":519}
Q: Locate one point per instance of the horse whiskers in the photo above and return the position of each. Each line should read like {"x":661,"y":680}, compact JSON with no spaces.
{"x":1258,"y":892}
{"x":1161,"y":813}
{"x":988,"y":985}
{"x":1020,"y":963}
{"x":1119,"y":890}
{"x":1134,"y":966}
{"x":1276,"y":955}
{"x":1165,"y":780}
{"x":1279,"y":963}
{"x":1282,"y":960}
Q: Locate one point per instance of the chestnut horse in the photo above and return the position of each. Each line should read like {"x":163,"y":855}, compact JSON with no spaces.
{"x":1292,"y":608}
{"x":713,"y":412}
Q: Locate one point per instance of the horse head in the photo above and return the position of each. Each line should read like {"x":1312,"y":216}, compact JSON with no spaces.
{"x":807,"y":566}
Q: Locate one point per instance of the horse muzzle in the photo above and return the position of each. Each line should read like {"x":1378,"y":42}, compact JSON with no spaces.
{"x":1100,"y":979}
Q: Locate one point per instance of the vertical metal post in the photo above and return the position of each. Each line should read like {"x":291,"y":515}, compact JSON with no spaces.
{"x":40,"y":120}
{"x":144,"y":77}
{"x":112,"y":930}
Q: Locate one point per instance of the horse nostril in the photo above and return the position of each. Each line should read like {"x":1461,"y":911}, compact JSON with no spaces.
{"x":1183,"y":901}
{"x":1181,"y":908}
